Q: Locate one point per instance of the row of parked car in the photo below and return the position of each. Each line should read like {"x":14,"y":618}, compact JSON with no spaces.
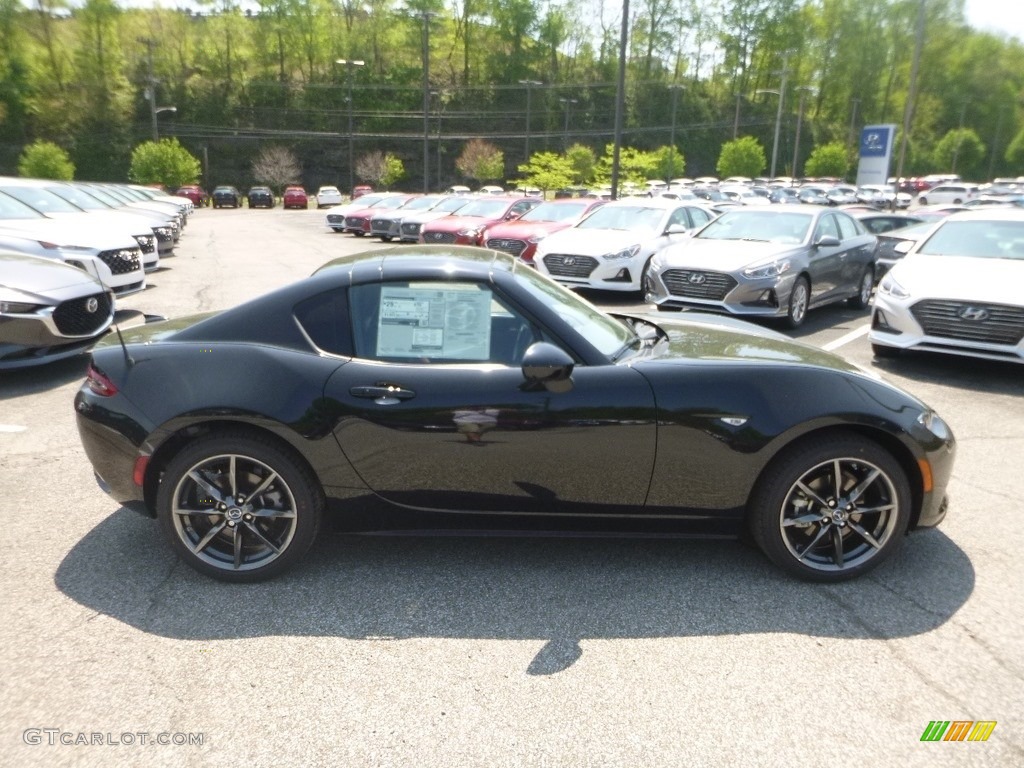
{"x":68,"y":250}
{"x":227,"y":196}
{"x":751,"y":261}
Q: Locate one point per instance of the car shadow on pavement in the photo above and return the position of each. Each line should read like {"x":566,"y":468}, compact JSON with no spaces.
{"x":561,"y":590}
{"x":992,"y":376}
{"x":19,"y":382}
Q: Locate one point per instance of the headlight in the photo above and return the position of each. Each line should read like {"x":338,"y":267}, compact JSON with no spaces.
{"x":625,"y":253}
{"x":890,"y":287}
{"x":469,"y":232}
{"x":538,"y":237}
{"x":16,"y":308}
{"x":774,"y":269}
{"x":931,"y":421}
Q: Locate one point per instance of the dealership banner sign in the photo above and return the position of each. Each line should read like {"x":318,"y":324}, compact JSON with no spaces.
{"x":876,"y":143}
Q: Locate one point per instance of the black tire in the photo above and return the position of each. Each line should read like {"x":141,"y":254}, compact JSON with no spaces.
{"x":358,"y":232}
{"x":922,"y":201}
{"x":216,"y":529}
{"x":958,"y":201}
{"x":799,"y":301}
{"x":865,"y":286}
{"x":880,"y":350}
{"x":386,"y":238}
{"x":831,"y":507}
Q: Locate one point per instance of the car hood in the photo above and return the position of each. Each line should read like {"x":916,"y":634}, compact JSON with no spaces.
{"x":78,"y":231}
{"x":38,"y":280}
{"x":722,"y":255}
{"x":715,"y":338}
{"x":961,"y":277}
{"x":524,"y":230}
{"x":455,"y":222}
{"x":593,"y":242}
{"x":425,"y":216}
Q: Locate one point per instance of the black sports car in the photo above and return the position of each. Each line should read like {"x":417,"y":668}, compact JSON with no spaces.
{"x":453,"y":387}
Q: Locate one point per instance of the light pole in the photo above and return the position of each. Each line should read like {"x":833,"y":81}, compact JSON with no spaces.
{"x":675,"y":88}
{"x":349,"y":64}
{"x":529,"y":84}
{"x":425,"y":16}
{"x":804,"y":90}
{"x":781,"y":93}
{"x":853,"y":124}
{"x":155,"y":110}
{"x":150,"y":91}
{"x":567,"y":104}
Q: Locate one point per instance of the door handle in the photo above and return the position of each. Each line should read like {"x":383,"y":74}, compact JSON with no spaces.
{"x":384,"y":394}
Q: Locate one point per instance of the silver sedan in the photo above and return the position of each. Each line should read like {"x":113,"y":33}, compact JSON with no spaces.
{"x":764,"y":262}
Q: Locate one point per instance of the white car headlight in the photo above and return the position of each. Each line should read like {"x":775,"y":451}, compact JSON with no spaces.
{"x":469,"y":232}
{"x":772,"y":269}
{"x":890,"y":287}
{"x":625,"y":253}
{"x":16,"y":308}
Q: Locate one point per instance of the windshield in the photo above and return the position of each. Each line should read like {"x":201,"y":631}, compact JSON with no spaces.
{"x":631,"y":218}
{"x":764,"y":226}
{"x":83,"y":200}
{"x":451,"y":205}
{"x":15,"y":209}
{"x":606,"y":333}
{"x":488,"y":209}
{"x":40,"y":200}
{"x":980,"y":239}
{"x":421,"y":203}
{"x":555,"y":212}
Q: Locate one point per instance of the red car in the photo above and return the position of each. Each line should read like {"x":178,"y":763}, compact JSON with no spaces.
{"x":195,"y":193}
{"x":295,"y":197}
{"x":361,"y":189}
{"x":468,"y":225}
{"x":520,"y":237}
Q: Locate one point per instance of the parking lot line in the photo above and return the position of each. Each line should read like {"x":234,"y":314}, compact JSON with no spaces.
{"x":853,"y":335}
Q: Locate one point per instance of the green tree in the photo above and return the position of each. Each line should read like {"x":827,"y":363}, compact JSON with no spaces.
{"x":741,"y":157}
{"x":45,"y":160}
{"x":382,"y":169}
{"x":1015,"y":153}
{"x":163,"y":162}
{"x":635,"y":165}
{"x":583,"y":163}
{"x":831,"y":159}
{"x":960,"y":151}
{"x":481,"y":161}
{"x":669,"y":163}
{"x":546,"y":171}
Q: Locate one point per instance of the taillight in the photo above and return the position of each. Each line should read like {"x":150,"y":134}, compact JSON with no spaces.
{"x":99,"y":383}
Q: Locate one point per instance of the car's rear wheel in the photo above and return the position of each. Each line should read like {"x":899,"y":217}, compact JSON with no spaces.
{"x":922,"y":201}
{"x":831,"y":508}
{"x":867,"y":284}
{"x":239,"y":507}
{"x":799,"y":298}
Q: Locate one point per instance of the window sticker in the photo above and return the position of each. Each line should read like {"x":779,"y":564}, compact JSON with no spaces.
{"x":445,"y":323}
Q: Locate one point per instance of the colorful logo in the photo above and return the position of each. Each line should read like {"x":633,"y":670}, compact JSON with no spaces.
{"x":958,"y":730}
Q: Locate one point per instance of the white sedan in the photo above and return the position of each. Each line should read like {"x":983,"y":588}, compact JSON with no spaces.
{"x":611,"y":248}
{"x":958,"y":291}
{"x":328,"y":195}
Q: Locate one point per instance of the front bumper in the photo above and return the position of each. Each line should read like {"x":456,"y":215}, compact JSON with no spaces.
{"x":719,"y":292}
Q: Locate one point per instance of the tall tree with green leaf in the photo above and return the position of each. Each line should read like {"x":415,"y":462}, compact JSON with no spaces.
{"x":163,"y":162}
{"x":742,"y":157}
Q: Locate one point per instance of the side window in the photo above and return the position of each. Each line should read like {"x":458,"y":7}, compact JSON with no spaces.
{"x":700,"y":217}
{"x":847,"y":227}
{"x":827,"y":226}
{"x":678,"y":217}
{"x":323,"y":318}
{"x":437,"y":322}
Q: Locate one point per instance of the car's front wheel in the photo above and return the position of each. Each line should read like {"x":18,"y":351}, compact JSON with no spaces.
{"x":831,"y":507}
{"x":239,"y":507}
{"x":799,"y":298}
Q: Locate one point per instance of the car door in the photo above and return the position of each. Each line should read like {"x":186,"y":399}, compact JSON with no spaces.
{"x":825,"y":262}
{"x":435,"y":412}
{"x":859,"y":253}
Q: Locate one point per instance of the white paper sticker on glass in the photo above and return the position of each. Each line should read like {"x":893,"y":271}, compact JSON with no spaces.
{"x":435,"y":323}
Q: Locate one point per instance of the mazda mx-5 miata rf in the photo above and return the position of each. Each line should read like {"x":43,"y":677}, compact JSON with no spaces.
{"x":456,"y":388}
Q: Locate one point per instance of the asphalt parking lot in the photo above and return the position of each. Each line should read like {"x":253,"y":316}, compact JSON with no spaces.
{"x":496,"y":652}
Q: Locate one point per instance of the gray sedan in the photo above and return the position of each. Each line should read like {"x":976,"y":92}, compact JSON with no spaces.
{"x":767,"y":262}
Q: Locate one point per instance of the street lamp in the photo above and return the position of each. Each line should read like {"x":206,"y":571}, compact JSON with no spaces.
{"x":425,"y":16}
{"x":804,"y":90}
{"x":349,"y":64}
{"x":781,"y":93}
{"x":567,"y":104}
{"x":529,"y":84}
{"x":154,"y":111}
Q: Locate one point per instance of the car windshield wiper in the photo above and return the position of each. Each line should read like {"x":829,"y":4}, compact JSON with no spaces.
{"x":636,"y":341}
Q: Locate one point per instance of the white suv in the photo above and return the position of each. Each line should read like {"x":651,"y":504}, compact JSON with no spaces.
{"x":944,"y":194}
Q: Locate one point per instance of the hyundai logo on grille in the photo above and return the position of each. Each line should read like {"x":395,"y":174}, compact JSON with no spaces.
{"x":976,"y":314}
{"x":91,"y":306}
{"x":437,"y":235}
{"x":697,"y":278}
{"x":569,"y":261}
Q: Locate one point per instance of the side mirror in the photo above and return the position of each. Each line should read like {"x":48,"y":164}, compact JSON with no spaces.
{"x":676,"y":229}
{"x":827,"y":241}
{"x":547,"y":366}
{"x":903,"y":246}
